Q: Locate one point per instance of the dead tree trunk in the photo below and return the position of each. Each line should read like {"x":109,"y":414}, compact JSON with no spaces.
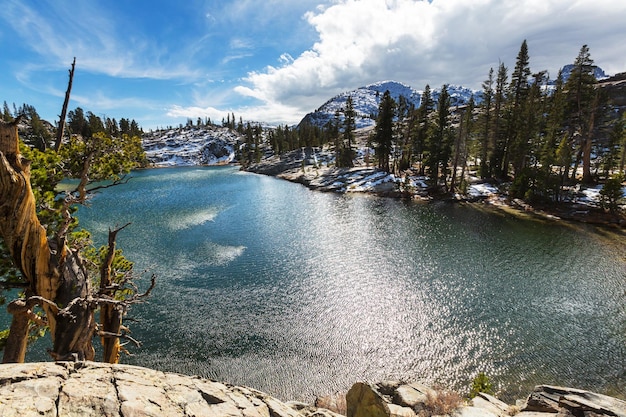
{"x":61,"y":127}
{"x":56,"y":277}
{"x":110,"y":314}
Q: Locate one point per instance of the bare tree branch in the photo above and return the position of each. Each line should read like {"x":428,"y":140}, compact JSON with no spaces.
{"x":124,"y":336}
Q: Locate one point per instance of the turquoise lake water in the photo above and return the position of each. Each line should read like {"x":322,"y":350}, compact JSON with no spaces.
{"x":265,"y":283}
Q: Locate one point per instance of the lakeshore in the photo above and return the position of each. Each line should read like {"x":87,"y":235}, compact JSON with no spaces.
{"x":97,"y":389}
{"x":302,"y":167}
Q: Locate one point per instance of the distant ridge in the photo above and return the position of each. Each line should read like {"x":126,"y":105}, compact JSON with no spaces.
{"x":366,"y":100}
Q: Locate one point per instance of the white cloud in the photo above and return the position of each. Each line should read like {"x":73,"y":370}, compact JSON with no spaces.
{"x":285,"y":59}
{"x":320,"y":48}
{"x":272,"y":114}
{"x":443,"y":41}
{"x":64,"y":30}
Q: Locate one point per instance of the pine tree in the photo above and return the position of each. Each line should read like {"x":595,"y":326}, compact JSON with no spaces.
{"x":438,"y":144}
{"x":77,"y":124}
{"x":384,"y":131}
{"x":486,"y":121}
{"x":583,"y":102}
{"x":135,"y":129}
{"x":406,"y":125}
{"x":6,"y":113}
{"x":614,"y":148}
{"x":526,"y":149}
{"x":422,"y":126}
{"x":622,"y":161}
{"x":548,"y":150}
{"x":37,"y":135}
{"x":111,"y":127}
{"x":518,"y":92}
{"x":346,"y":152}
{"x":50,"y":259}
{"x":466,"y":126}
{"x":124,"y":126}
{"x":496,"y":159}
{"x":334,"y":131}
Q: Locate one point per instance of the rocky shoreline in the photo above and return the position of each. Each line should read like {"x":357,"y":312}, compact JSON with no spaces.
{"x":97,"y":389}
{"x":297,"y":167}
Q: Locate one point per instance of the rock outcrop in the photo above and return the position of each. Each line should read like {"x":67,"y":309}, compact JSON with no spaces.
{"x":551,"y":399}
{"x":96,"y":389}
{"x":191,"y":146}
{"x":395,"y":399}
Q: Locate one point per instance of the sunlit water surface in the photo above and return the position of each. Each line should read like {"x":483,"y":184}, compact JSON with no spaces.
{"x":297,"y":293}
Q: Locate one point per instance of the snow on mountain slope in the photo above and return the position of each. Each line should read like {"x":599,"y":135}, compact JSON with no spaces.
{"x":366,"y":100}
{"x":188,"y":146}
{"x":212,"y":145}
{"x":598,"y":72}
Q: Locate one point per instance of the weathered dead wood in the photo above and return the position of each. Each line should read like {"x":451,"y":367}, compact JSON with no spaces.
{"x":110,"y":315}
{"x":22,"y":312}
{"x":61,"y":127}
{"x":54,"y":273}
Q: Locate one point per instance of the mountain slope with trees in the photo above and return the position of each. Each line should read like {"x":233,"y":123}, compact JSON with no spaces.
{"x":538,"y":140}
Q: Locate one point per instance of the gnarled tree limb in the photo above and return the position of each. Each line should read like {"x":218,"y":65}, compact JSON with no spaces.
{"x":54,"y":273}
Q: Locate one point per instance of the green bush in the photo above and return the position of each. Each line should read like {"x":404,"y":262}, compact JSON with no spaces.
{"x":481,"y":383}
{"x":611,"y":193}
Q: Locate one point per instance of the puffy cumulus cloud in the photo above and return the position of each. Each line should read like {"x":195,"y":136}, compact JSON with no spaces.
{"x":442,"y":41}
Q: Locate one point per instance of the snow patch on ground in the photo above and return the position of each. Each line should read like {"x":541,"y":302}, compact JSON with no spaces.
{"x":370,"y":182}
{"x":592,"y":194}
{"x":190,"y":146}
{"x":482,"y":190}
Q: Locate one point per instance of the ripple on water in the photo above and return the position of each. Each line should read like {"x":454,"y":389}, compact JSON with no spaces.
{"x":300,"y":293}
{"x":181,"y":221}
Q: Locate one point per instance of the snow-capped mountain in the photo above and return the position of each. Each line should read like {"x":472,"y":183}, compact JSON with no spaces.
{"x":187,"y":146}
{"x":366,"y":100}
{"x":213,"y":145}
{"x":598,"y":72}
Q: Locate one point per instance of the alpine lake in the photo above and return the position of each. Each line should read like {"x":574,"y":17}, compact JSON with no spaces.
{"x":264,"y":283}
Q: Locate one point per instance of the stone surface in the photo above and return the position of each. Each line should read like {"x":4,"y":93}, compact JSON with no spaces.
{"x":399,"y":411}
{"x":363,"y":400}
{"x":95,"y":389}
{"x":492,"y":404}
{"x":411,"y":395}
{"x":393,"y":399}
{"x":553,"y":399}
{"x":466,"y":411}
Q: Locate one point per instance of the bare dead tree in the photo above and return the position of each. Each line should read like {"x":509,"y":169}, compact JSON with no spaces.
{"x":56,"y":276}
{"x":61,"y":127}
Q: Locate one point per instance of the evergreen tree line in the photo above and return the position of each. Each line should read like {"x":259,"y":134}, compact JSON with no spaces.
{"x":538,"y":138}
{"x":250,"y":151}
{"x":338,"y":134}
{"x":537,"y":134}
{"x":40,"y":133}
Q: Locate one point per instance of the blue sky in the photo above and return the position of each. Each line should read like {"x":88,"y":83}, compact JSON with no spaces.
{"x":160,"y":62}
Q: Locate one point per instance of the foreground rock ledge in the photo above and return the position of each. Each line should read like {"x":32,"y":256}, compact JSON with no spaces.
{"x":96,"y":389}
